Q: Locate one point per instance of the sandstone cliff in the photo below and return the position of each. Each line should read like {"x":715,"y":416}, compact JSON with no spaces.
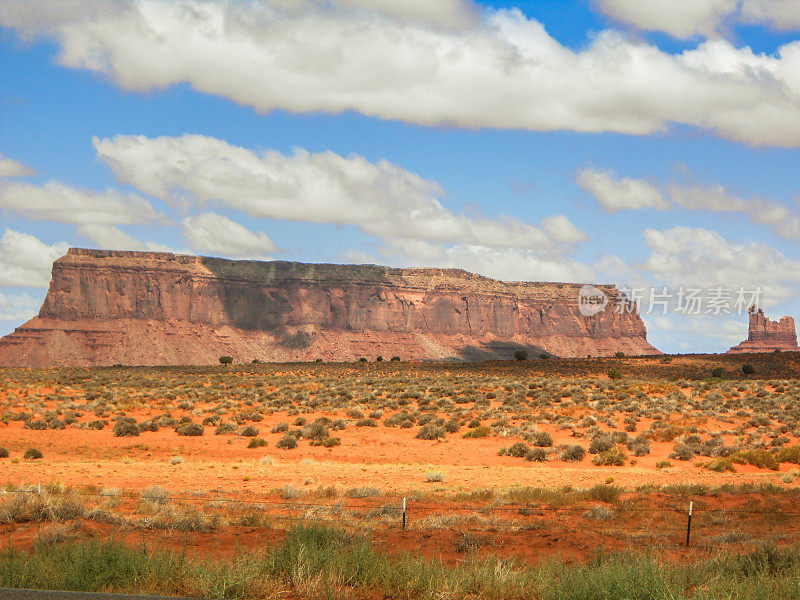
{"x":108,"y":307}
{"x":767,"y":336}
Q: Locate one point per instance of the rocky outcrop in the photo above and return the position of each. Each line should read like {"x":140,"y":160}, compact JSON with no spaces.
{"x":109,"y":307}
{"x":768,"y":336}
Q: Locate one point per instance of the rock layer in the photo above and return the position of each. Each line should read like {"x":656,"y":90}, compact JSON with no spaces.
{"x":767,"y":336}
{"x":109,"y":307}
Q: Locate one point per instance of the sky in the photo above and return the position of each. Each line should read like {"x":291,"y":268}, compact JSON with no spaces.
{"x":646,"y":143}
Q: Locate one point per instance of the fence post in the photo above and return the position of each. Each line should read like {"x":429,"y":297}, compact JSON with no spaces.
{"x":689,"y":524}
{"x":404,"y":513}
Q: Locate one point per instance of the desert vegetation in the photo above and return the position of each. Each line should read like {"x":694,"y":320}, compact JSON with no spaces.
{"x":506,"y":461}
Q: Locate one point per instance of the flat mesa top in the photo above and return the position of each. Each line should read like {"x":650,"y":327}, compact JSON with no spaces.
{"x":277,"y":270}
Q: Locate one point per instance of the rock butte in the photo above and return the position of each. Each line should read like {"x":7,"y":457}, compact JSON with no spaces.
{"x":145,"y":308}
{"x":767,"y":336}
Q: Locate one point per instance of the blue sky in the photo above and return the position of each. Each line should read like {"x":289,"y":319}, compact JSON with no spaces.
{"x":649,"y":144}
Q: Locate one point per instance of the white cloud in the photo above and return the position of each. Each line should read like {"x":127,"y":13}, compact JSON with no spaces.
{"x":25,"y":260}
{"x":690,"y":257}
{"x":215,"y":234}
{"x":507,"y":264}
{"x":108,"y":237}
{"x":679,"y":18}
{"x":709,"y":18}
{"x":615,"y":194}
{"x":716,"y":198}
{"x":381,"y":199}
{"x":55,"y":201}
{"x":499,"y":70}
{"x":18,"y":307}
{"x":11,"y":168}
{"x":783,"y":15}
{"x":620,"y":194}
{"x":563,"y":230}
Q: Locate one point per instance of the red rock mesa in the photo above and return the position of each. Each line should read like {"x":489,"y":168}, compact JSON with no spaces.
{"x":109,"y":307}
{"x":767,"y":336}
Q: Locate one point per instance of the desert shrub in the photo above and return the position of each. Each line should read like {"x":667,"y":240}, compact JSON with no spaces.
{"x":613,"y":457}
{"x":718,"y":372}
{"x":300,"y":421}
{"x":331,"y":442}
{"x":56,"y":424}
{"x":601,"y":443}
{"x":225,"y":428}
{"x":225,"y":360}
{"x":148,"y":426}
{"x":614,"y":373}
{"x":287,"y":442}
{"x":395,"y":359}
{"x":520,"y":355}
{"x":603,"y":493}
{"x":429,"y":432}
{"x":354,"y":413}
{"x":663,"y":464}
{"x":639,"y":446}
{"x":683,"y":452}
{"x":434,"y":475}
{"x":249,"y":431}
{"x":257,"y":442}
{"x":748,"y":369}
{"x":32,"y":454}
{"x":763,"y":459}
{"x":366,"y":423}
{"x":542,"y":439}
{"x":572,"y":453}
{"x":315,"y":431}
{"x":788,"y":454}
{"x":362,"y":492}
{"x":720,"y":465}
{"x":451,"y":426}
{"x":126,"y":427}
{"x":599,"y":513}
{"x":4,"y":452}
{"x":536,"y":455}
{"x":518,"y":450}
{"x":280,"y":428}
{"x":481,"y":431}
{"x":189,"y":429}
{"x":36,"y":424}
{"x":96,"y":425}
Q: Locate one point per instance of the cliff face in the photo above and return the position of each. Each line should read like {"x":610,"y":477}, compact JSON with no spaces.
{"x":108,"y":307}
{"x":767,"y":336}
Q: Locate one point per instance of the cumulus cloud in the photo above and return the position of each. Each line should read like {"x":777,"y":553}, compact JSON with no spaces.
{"x":708,"y":18}
{"x":55,"y":201}
{"x":685,"y":256}
{"x":381,"y":199}
{"x":679,"y":18}
{"x":215,"y":234}
{"x":25,"y":260}
{"x":783,"y":15}
{"x":18,"y":307}
{"x":716,"y":198}
{"x":109,"y":237}
{"x":507,"y":264}
{"x":499,"y":70}
{"x":11,"y":168}
{"x":615,"y":194}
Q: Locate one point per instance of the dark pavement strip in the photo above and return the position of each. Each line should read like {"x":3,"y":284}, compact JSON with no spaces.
{"x":12,"y":594}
